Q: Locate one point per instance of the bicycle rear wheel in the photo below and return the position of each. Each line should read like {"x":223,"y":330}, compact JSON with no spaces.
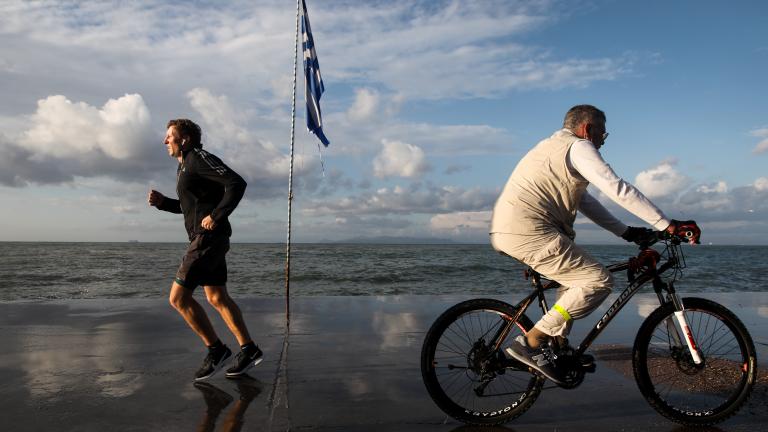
{"x":465,"y":376}
{"x":673,"y":384}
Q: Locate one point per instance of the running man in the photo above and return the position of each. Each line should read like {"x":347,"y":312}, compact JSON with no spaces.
{"x":533,"y":222}
{"x":208,"y":193}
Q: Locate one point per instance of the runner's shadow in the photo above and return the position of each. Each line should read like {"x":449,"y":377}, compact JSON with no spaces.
{"x":216,"y":400}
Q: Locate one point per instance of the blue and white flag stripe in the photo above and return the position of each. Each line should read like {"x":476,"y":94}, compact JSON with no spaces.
{"x":312,"y":79}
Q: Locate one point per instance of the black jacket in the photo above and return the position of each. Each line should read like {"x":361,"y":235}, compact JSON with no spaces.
{"x":205,"y":186}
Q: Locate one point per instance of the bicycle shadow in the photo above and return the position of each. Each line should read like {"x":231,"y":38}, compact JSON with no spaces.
{"x":217,"y":400}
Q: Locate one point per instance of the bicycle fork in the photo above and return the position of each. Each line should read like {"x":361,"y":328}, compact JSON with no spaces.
{"x":687,"y":338}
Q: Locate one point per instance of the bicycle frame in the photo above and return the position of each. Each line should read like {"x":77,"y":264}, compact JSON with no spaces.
{"x":650,"y":274}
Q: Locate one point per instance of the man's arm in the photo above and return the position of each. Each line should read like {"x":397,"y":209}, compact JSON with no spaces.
{"x":586,"y":160}
{"x":591,"y":208}
{"x":162,"y":202}
{"x":212,"y":168}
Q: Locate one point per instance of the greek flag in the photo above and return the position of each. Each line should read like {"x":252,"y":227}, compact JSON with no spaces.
{"x":312,"y":80}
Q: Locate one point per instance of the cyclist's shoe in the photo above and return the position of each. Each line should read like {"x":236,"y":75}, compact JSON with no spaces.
{"x":244,"y":361}
{"x":542,"y":359}
{"x":213,"y":362}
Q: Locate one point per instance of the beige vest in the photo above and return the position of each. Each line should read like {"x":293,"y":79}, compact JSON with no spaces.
{"x":542,"y":194}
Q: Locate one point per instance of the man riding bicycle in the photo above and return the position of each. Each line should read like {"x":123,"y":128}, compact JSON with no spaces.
{"x":533,"y":222}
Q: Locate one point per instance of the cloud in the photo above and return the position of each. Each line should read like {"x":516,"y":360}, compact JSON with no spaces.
{"x":762,"y":146}
{"x":229,"y":132}
{"x":399,"y":159}
{"x":65,"y":139}
{"x":365,"y":106}
{"x":461,"y":223}
{"x":761,"y":184}
{"x":416,"y":199}
{"x":403,"y":47}
{"x":63,"y":129}
{"x":719,"y":187}
{"x":400,"y":45}
{"x":662,"y":180}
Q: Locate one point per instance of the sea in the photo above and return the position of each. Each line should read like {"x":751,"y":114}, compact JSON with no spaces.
{"x":42,"y":271}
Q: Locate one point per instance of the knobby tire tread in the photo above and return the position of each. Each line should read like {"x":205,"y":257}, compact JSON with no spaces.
{"x":438,"y":394}
{"x":644,"y":382}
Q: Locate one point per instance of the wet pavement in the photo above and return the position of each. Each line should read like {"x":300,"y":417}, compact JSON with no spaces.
{"x":347,"y":364}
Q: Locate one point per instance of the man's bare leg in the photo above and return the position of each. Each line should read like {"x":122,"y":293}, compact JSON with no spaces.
{"x":536,"y":337}
{"x":194,"y":314}
{"x":229,"y":311}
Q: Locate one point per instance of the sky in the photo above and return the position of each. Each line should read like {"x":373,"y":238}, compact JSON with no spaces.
{"x":428,"y":106}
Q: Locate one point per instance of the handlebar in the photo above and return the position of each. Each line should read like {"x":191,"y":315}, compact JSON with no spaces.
{"x":683,"y":236}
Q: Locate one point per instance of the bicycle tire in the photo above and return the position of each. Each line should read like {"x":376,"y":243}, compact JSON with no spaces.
{"x":452,"y":343}
{"x":682,"y":391}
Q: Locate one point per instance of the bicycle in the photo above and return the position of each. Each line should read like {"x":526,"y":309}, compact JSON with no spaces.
{"x":693,"y":360}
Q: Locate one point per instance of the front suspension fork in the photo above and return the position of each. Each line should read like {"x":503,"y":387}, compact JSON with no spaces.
{"x":682,"y":324}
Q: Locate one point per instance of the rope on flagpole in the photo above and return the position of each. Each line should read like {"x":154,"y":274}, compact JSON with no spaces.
{"x":290,"y":175}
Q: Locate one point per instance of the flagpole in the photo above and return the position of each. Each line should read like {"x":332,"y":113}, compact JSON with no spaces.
{"x":290,"y":175}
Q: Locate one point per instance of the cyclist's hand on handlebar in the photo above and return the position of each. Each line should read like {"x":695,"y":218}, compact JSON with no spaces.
{"x":685,"y":230}
{"x":639,"y":235}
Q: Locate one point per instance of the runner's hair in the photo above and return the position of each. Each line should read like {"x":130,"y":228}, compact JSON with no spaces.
{"x":188,"y":130}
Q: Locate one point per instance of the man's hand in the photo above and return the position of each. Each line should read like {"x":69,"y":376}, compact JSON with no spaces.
{"x":688,"y":230}
{"x":155,"y":198}
{"x":638,"y":235}
{"x":208,"y":223}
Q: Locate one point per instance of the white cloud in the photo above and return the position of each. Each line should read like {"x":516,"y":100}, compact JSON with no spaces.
{"x":229,"y":133}
{"x":762,"y":146}
{"x":63,"y":129}
{"x":415,"y":199}
{"x":365,"y":106}
{"x":63,"y":140}
{"x":400,"y":45}
{"x":662,"y":180}
{"x":761,"y":184}
{"x":461,"y":221}
{"x":399,"y":159}
{"x":720,"y":187}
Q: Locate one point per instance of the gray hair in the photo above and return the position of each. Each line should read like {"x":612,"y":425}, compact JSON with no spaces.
{"x":581,"y":114}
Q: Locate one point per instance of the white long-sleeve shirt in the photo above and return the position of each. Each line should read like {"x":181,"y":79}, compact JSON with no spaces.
{"x":584,"y":158}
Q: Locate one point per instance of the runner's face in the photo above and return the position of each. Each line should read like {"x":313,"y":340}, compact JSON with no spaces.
{"x":173,"y":142}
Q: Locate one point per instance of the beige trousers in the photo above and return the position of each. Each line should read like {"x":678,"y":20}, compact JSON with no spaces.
{"x":585,"y":282}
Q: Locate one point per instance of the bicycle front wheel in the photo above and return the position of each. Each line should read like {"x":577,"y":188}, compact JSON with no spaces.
{"x":466,"y":376}
{"x":673,"y":384}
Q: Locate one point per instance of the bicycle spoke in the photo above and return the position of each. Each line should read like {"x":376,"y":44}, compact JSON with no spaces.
{"x":687,"y":386}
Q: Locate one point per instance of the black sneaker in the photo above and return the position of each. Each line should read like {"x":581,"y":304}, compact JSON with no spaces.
{"x":213,"y":362}
{"x":244,"y":361}
{"x":542,"y":359}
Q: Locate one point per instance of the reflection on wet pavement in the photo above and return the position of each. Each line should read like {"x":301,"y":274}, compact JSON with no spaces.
{"x":351,"y":363}
{"x":216,"y":400}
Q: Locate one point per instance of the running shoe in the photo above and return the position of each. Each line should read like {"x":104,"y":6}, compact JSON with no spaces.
{"x":542,"y":359}
{"x":245,"y":361}
{"x":213,"y":362}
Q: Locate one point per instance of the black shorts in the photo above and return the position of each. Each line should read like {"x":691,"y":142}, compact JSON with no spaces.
{"x":204,"y":262}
